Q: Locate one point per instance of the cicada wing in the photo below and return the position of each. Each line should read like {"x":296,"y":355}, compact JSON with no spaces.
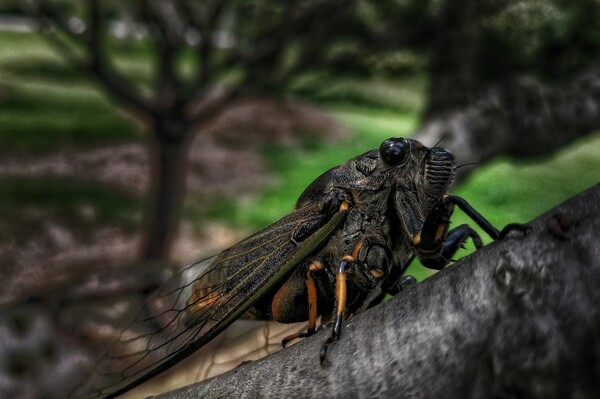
{"x":203,"y":299}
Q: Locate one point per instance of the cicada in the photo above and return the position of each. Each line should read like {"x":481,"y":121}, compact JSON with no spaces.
{"x":346,"y":244}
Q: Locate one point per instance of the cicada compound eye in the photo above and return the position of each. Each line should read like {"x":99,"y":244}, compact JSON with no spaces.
{"x":394,"y":150}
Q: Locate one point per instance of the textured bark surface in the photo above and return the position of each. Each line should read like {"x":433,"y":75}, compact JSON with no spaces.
{"x":519,"y":318}
{"x":522,"y":118}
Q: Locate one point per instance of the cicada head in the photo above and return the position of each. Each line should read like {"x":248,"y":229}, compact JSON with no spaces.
{"x":427,"y":172}
{"x":398,"y":163}
{"x":420,"y":177}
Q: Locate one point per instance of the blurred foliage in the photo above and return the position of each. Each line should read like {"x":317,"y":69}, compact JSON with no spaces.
{"x":550,"y":37}
{"x":394,"y":63}
{"x":402,"y":94}
{"x":546,"y":37}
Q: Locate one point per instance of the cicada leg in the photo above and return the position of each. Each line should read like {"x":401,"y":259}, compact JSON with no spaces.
{"x":404,"y":282}
{"x":311,"y":288}
{"x":436,"y":245}
{"x":483,"y":222}
{"x":454,"y":240}
{"x":340,"y":302}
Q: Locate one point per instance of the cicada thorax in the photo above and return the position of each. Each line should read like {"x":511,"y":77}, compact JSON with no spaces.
{"x":378,"y":247}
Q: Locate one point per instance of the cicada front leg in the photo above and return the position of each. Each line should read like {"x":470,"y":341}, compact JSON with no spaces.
{"x":369,"y":264}
{"x":340,"y":304}
{"x":436,"y":245}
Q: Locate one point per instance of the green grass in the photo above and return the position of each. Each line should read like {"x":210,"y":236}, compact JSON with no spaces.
{"x":518,"y":191}
{"x":402,"y":94}
{"x":45,"y":105}
{"x":25,"y":47}
{"x":39,"y":117}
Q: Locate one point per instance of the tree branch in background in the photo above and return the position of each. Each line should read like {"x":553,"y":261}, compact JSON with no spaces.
{"x":522,"y":118}
{"x":205,"y":22}
{"x":518,"y":318}
{"x":94,"y":58}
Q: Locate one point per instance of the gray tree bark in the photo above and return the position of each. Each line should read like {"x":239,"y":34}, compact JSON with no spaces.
{"x":518,"y":318}
{"x":521,"y":118}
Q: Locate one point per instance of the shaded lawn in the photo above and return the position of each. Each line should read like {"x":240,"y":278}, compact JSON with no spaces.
{"x":36,"y":119}
{"x":46,"y":105}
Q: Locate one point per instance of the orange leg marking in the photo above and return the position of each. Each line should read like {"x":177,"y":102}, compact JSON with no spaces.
{"x":340,"y":286}
{"x":340,"y":296}
{"x":356,"y":250}
{"x":340,"y":279}
{"x":344,"y":206}
{"x":311,"y":288}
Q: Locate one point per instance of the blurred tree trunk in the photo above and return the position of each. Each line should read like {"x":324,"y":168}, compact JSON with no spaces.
{"x":167,"y":187}
{"x":454,"y":81}
{"x":522,"y":118}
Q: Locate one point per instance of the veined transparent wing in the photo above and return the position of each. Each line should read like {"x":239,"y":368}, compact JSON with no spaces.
{"x":203,"y":299}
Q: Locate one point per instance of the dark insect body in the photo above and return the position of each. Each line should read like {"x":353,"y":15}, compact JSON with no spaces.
{"x":350,"y":238}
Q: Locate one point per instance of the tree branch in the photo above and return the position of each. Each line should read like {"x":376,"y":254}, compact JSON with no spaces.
{"x":208,"y":105}
{"x":97,"y":59}
{"x":205,"y":20}
{"x":102,"y":68}
{"x":518,"y":318}
{"x":523,"y":118}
